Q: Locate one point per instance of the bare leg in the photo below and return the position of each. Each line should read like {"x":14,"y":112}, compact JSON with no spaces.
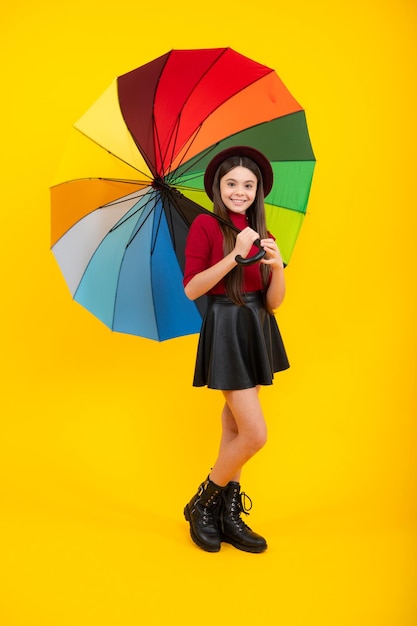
{"x":229,"y":433}
{"x":244,"y":433}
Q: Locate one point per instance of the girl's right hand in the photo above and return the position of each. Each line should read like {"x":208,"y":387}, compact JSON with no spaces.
{"x":244,"y":242}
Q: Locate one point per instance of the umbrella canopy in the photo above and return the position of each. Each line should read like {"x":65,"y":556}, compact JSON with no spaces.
{"x":133,"y":181}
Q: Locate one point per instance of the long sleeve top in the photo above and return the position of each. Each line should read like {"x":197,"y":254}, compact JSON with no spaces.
{"x":204,"y":248}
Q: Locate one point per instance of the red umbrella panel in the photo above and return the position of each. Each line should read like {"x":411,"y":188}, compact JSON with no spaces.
{"x":161,"y":124}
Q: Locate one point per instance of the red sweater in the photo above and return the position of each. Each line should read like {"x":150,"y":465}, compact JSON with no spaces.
{"x":204,"y":248}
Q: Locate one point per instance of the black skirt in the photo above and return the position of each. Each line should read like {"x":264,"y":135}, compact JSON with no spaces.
{"x":239,"y":346}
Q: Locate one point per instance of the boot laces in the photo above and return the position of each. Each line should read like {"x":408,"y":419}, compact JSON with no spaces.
{"x":209,"y":515}
{"x":240,"y":503}
{"x":210,"y":509}
{"x":243,"y":499}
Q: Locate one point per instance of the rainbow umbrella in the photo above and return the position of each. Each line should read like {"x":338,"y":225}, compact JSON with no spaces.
{"x":131,"y":181}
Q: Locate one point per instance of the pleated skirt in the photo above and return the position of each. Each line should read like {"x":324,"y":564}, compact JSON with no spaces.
{"x":239,"y":346}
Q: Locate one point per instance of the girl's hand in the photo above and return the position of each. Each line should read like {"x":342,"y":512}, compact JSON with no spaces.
{"x":244,"y":242}
{"x":273,"y":255}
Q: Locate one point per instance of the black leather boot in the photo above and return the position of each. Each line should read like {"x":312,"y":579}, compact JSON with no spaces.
{"x":202,"y":513}
{"x":232,"y":528}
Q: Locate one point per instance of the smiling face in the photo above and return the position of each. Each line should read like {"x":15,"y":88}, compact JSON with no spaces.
{"x":238,"y":189}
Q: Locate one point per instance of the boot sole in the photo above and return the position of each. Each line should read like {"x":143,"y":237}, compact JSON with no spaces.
{"x":196,"y":540}
{"x":241,"y":546}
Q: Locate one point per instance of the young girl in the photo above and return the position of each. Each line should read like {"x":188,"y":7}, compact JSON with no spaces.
{"x":240,"y":346}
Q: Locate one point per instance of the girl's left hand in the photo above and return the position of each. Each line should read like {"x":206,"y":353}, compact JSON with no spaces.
{"x":273,"y":255}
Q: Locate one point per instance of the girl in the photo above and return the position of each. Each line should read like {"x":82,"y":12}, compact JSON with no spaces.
{"x":240,"y":346}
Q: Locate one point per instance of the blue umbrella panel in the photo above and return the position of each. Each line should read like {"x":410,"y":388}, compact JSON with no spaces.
{"x":124,"y":263}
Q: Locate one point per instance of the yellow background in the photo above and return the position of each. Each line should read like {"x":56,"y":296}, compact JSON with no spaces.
{"x":103,"y":439}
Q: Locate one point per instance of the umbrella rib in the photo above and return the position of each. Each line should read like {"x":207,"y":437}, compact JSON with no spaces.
{"x":172,"y":197}
{"x":153,"y":244}
{"x":131,"y":239}
{"x":184,"y":156}
{"x":126,"y":181}
{"x":155,"y":232}
{"x":125,"y":219}
{"x":173,"y":140}
{"x":121,"y":200}
{"x":115,"y":155}
{"x":157,"y":142}
{"x":192,"y":162}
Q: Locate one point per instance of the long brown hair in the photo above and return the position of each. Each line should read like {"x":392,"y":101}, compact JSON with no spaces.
{"x":256,"y":220}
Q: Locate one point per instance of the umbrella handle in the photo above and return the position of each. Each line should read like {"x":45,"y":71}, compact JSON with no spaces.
{"x":253,"y":259}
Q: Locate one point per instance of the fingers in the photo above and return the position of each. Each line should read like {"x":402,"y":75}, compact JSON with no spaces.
{"x":270,"y":246}
{"x":273,"y":254}
{"x":269,"y":242}
{"x":248,"y":234}
{"x":245,"y":240}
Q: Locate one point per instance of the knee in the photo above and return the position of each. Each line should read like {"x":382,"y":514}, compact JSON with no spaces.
{"x":229,"y":425}
{"x":261,"y":439}
{"x":256,"y":440}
